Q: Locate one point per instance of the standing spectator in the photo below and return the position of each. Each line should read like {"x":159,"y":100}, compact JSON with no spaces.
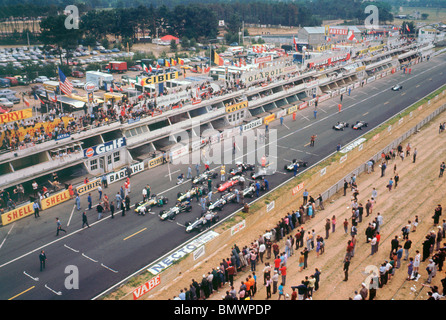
{"x":442,"y":168}
{"x":437,"y":213}
{"x":99,"y":209}
{"x":345,"y":226}
{"x":416,"y":263}
{"x":42,"y":259}
{"x":406,"y":247}
{"x":90,"y":201}
{"x":36,"y":208}
{"x":268,"y":287}
{"x":327,"y":228}
{"x":410,"y":269}
{"x":333,"y":224}
{"x":345,"y":269}
{"x":364,"y":292}
{"x":305,"y":197}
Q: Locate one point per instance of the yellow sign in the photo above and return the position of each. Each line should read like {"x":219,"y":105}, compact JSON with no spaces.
{"x":16,"y":115}
{"x":160,"y":78}
{"x":92,"y":185}
{"x":55,"y":200}
{"x":155,"y":162}
{"x":17,"y":213}
{"x":293,"y":109}
{"x":269,"y":118}
{"x":237,"y":106}
{"x":324,"y":47}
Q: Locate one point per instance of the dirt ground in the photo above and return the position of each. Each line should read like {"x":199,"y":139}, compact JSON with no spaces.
{"x":419,"y":191}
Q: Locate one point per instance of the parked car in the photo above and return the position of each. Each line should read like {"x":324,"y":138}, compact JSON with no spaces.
{"x":78,"y":83}
{"x":4,"y":83}
{"x":5,"y":103}
{"x":41,"y":79}
{"x":7,"y":92}
{"x":77,"y":74}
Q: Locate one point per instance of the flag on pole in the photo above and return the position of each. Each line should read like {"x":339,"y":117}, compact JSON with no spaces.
{"x":65,"y":85}
{"x":26,"y":101}
{"x":350,"y":35}
{"x":407,"y":28}
{"x":215,"y":58}
{"x":180,"y":61}
{"x":144,"y":67}
{"x":295,"y":44}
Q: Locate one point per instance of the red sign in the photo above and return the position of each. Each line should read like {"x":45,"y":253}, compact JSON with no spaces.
{"x":89,"y":153}
{"x":298,"y":188}
{"x":303,"y":105}
{"x":146,"y":287}
{"x":335,"y":31}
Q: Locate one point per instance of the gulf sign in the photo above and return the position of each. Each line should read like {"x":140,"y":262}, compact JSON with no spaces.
{"x":159,"y":78}
{"x":104,"y":147}
{"x":146,"y":287}
{"x":17,"y":213}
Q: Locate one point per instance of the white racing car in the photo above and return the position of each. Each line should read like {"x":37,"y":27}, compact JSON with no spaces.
{"x":224,"y":199}
{"x":397,"y":87}
{"x":300,"y":164}
{"x":359,"y":124}
{"x":200,"y":223}
{"x":340,"y":125}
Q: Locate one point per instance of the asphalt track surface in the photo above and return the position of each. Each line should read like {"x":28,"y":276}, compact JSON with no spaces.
{"x":113,"y":249}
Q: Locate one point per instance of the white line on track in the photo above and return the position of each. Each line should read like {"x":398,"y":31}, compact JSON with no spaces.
{"x":1,"y":245}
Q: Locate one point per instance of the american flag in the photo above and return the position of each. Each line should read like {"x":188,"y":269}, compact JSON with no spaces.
{"x":65,"y":85}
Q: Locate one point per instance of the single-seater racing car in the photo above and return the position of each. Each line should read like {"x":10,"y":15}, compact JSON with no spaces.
{"x":174,"y":211}
{"x":300,"y":164}
{"x":151,"y":202}
{"x":340,"y":125}
{"x":359,"y":125}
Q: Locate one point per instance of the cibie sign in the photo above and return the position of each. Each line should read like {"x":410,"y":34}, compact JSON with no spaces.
{"x":104,"y":147}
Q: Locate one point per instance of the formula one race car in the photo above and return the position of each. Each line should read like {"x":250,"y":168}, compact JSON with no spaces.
{"x":241,"y":168}
{"x":183,"y":196}
{"x":228,"y":184}
{"x":174,"y":211}
{"x":149,"y":203}
{"x":397,"y":87}
{"x":202,"y":178}
{"x":224,"y":199}
{"x":249,"y":191}
{"x":200,"y":223}
{"x":340,"y":125}
{"x":300,"y":164}
{"x":359,"y":124}
{"x":263,"y":171}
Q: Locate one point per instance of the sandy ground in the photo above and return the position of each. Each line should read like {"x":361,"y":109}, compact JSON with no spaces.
{"x":419,"y":191}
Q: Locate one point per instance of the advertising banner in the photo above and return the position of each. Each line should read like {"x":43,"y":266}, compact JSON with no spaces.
{"x":237,"y":106}
{"x":121,"y":174}
{"x":17,"y":213}
{"x":16,"y":115}
{"x":55,"y":199}
{"x":104,"y":147}
{"x":85,"y":188}
{"x":159,"y":78}
{"x":146,"y":287}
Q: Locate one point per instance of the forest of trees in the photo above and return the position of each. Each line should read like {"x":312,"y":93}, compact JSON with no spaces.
{"x":191,"y":20}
